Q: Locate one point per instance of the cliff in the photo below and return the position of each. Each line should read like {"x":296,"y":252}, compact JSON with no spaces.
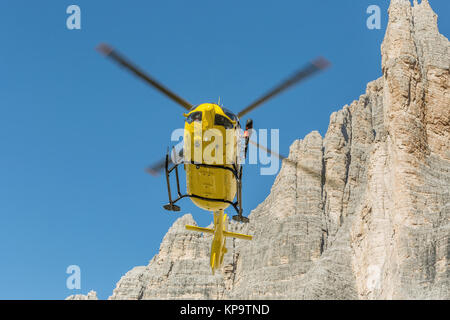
{"x":362,"y":213}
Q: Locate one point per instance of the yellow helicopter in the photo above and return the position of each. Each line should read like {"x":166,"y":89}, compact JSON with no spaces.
{"x":211,"y":154}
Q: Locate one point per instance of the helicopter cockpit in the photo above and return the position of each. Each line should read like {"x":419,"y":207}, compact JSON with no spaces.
{"x":194,"y":116}
{"x":230,"y":114}
{"x":219,"y":120}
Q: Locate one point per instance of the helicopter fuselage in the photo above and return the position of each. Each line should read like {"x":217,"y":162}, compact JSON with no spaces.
{"x":210,"y":156}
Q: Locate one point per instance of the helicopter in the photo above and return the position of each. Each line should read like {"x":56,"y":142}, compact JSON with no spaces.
{"x":211,"y":154}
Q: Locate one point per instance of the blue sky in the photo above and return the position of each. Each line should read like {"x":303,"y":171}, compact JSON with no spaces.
{"x":77,"y":131}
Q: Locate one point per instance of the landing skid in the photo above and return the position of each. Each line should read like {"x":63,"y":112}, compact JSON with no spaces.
{"x":240,"y":218}
{"x":171,"y":207}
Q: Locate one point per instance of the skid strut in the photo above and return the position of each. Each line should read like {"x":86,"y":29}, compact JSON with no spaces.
{"x":237,"y":172}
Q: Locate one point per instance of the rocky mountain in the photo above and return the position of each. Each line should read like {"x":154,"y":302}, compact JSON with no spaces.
{"x":92,"y":295}
{"x":362,"y":213}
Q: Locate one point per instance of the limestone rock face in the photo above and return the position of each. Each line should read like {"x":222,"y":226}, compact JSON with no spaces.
{"x":92,"y":295}
{"x":179,"y":271}
{"x":362,"y":213}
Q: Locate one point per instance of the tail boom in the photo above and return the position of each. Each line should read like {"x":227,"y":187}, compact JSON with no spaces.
{"x":218,"y":244}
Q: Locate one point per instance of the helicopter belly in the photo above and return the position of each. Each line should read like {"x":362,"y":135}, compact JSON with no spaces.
{"x":210,"y":183}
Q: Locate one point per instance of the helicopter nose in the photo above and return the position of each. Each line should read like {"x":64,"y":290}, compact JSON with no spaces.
{"x":208,"y":116}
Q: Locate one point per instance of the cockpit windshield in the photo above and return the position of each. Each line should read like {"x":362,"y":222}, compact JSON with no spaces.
{"x":194,"y":116}
{"x":230,"y":114}
{"x":220,"y":120}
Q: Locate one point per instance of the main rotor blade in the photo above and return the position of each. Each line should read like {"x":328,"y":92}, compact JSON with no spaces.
{"x":309,"y":70}
{"x":157,"y":167}
{"x":110,"y":52}
{"x":267,"y":150}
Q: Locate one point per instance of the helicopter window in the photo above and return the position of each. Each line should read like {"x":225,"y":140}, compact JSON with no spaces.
{"x":222,"y":121}
{"x":230,"y":114}
{"x":194,"y":116}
